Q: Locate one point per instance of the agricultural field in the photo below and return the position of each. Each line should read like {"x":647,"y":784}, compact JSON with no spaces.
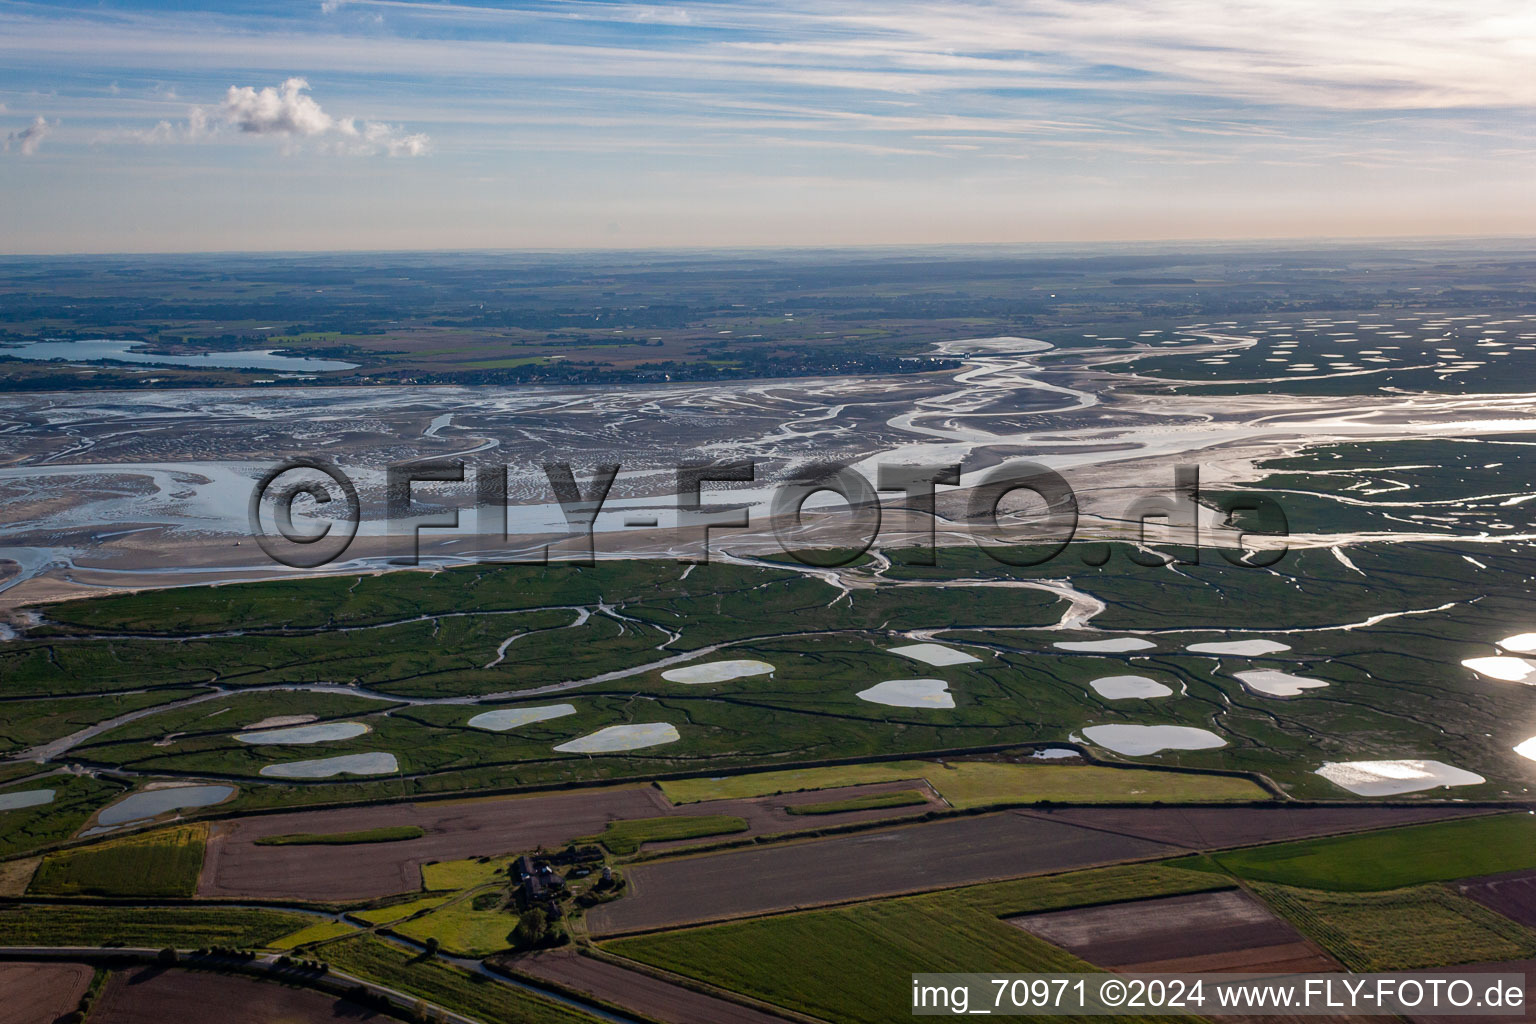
{"x":689,"y":889}
{"x":848,"y":964}
{"x":1402,"y":929}
{"x":1391,"y":858}
{"x":463,"y":929}
{"x":33,"y":992}
{"x":973,"y":783}
{"x":639,"y":993}
{"x":182,"y":927}
{"x":486,"y":1000}
{"x":162,"y":863}
{"x":153,"y":996}
{"x":1226,"y":930}
{"x":1512,"y":894}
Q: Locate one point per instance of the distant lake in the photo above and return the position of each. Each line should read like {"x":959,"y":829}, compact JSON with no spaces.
{"x":122,"y":352}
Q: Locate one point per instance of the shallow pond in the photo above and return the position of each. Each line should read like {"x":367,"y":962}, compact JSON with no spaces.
{"x":377,"y":763}
{"x":25,"y":798}
{"x":1510,"y":670}
{"x":716,"y":672}
{"x":934,"y":654}
{"x":511,"y":718}
{"x":1388,"y":778}
{"x":325,"y":732}
{"x":151,"y":803}
{"x":1115,"y":646}
{"x":910,"y":693}
{"x":622,"y":737}
{"x":1244,"y":648}
{"x":1149,"y":739}
{"x":1130,"y":688}
{"x":1269,"y":683}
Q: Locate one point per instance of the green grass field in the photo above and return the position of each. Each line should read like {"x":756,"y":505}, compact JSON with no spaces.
{"x":870,"y":801}
{"x":1388,"y":859}
{"x":471,"y":994}
{"x":1423,"y":926}
{"x":165,"y":862}
{"x":968,"y":784}
{"x":387,"y":834}
{"x":448,"y":875}
{"x":623,"y":838}
{"x":462,"y":929}
{"x":740,"y":787}
{"x":183,"y":928}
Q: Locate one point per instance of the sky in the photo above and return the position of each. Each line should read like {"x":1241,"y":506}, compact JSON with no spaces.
{"x":186,"y":126}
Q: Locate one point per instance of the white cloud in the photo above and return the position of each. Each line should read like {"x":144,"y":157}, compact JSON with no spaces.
{"x":31,"y":137}
{"x":273,"y":112}
{"x":290,"y":113}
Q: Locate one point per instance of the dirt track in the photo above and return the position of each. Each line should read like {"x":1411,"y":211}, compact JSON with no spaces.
{"x":740,"y":883}
{"x":236,"y":867}
{"x":641,"y":993}
{"x":149,"y":995}
{"x":30,"y":993}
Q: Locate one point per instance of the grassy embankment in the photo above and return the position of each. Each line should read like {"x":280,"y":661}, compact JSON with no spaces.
{"x":868,"y":802}
{"x":623,"y":838}
{"x":386,"y":834}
